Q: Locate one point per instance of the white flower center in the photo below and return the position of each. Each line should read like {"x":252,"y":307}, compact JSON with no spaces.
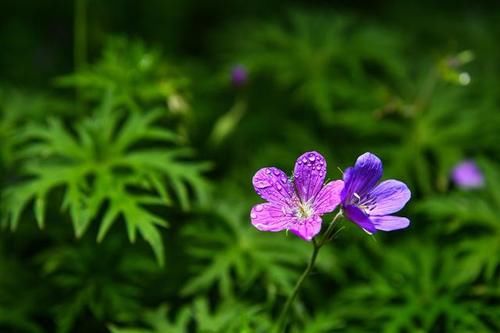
{"x":304,"y":210}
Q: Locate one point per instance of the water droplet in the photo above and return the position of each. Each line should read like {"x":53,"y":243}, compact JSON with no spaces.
{"x":312,"y":158}
{"x":304,"y":159}
{"x":279,"y":187}
{"x":268,"y":171}
{"x":276,"y":172}
{"x":253,"y":215}
{"x":259,"y":208}
{"x":262,"y":184}
{"x":318,"y":167}
{"x":284,"y":180}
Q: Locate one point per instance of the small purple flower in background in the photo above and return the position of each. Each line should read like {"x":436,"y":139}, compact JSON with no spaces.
{"x":239,"y":76}
{"x":467,"y":175}
{"x":295,"y":204}
{"x":369,"y":205}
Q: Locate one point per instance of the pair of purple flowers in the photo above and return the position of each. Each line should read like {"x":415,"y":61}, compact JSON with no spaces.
{"x":297,"y":203}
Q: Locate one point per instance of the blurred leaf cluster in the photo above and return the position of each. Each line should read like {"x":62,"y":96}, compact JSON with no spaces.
{"x":150,"y":139}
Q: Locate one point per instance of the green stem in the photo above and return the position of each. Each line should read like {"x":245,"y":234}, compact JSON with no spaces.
{"x":328,"y":233}
{"x":426,"y":91}
{"x":80,"y":41}
{"x":281,"y":323}
{"x":80,"y":34}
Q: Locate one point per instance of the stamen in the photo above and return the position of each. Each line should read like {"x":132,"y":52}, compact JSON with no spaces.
{"x":357,"y":197}
{"x":368,"y":202}
{"x":304,"y":210}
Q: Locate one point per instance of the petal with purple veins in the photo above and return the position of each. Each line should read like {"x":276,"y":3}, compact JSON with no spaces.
{"x":388,"y":197}
{"x":271,"y":217}
{"x":309,"y":175}
{"x":328,"y":198}
{"x":273,"y":185}
{"x":308,"y":228}
{"x":389,"y":223}
{"x":361,"y":178}
{"x":357,"y":216}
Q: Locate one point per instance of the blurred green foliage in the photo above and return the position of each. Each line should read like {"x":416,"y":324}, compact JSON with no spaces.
{"x":150,"y":135}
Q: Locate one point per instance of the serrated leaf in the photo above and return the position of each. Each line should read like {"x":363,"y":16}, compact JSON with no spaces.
{"x":101,"y":168}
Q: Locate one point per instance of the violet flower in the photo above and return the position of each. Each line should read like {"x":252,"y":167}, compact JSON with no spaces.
{"x":369,"y":205}
{"x":467,"y":175}
{"x":295,"y":204}
{"x":239,"y":76}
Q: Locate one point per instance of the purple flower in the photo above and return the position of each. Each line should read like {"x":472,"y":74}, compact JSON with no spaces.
{"x":369,"y":205}
{"x":467,"y":175}
{"x":239,"y":76}
{"x":295,"y":204}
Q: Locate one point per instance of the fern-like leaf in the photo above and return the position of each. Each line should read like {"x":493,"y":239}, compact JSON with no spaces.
{"x":109,"y":167}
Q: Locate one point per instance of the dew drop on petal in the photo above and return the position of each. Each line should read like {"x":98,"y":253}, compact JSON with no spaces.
{"x":258,"y":208}
{"x":279,"y":187}
{"x":318,"y":167}
{"x":262,"y":184}
{"x":253,"y":215}
{"x":276,"y":172}
{"x":304,"y":159}
{"x":268,"y":171}
{"x":312,"y":158}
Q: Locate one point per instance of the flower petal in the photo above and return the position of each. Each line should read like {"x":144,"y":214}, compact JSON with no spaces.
{"x":309,"y":175}
{"x":388,"y":197}
{"x":270,"y":217}
{"x":362,"y":177}
{"x":328,"y":198}
{"x":273,"y":185}
{"x":357,"y":216}
{"x":467,"y":175}
{"x":389,"y":222}
{"x":307,"y":229}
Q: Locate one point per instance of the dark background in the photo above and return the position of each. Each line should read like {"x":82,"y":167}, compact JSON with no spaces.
{"x":414,"y":82}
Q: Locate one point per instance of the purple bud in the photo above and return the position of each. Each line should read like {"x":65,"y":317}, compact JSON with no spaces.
{"x":467,"y":175}
{"x":239,"y":76}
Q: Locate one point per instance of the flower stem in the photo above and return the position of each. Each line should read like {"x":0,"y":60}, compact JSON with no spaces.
{"x":281,"y":323}
{"x":80,"y":34}
{"x":79,"y":43}
{"x":328,"y":233}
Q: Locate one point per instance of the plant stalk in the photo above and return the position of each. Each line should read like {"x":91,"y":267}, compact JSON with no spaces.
{"x":79,"y":43}
{"x":282,"y":319}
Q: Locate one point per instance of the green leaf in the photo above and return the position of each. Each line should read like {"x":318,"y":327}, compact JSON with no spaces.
{"x":106,"y":173}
